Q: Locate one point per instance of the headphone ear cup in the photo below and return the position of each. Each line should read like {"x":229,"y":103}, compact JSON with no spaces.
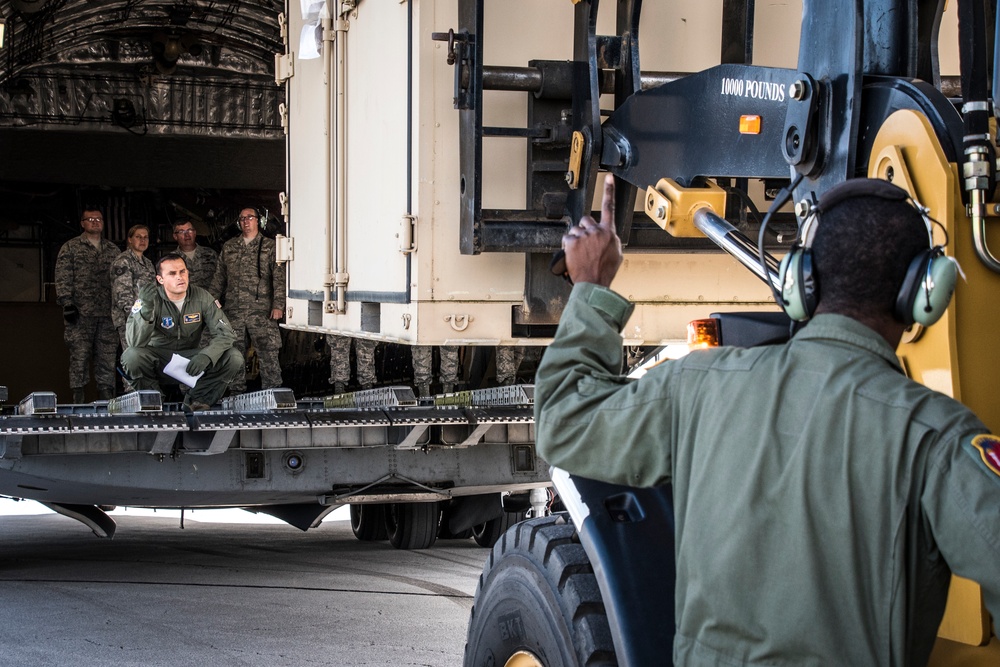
{"x":927,"y":288}
{"x":798,"y":284}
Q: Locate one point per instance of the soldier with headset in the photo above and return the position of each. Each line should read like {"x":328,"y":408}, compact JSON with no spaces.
{"x":251,"y":287}
{"x":822,"y":499}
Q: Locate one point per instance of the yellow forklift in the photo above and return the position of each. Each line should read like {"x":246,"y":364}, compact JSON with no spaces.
{"x":594,"y":585}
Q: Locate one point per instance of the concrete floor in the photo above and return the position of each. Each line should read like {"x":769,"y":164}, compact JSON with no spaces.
{"x":227,"y":594}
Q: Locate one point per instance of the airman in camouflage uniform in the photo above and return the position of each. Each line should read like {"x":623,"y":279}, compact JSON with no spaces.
{"x":130,"y":271}
{"x":340,"y":361}
{"x":251,"y":287}
{"x":423,"y":367}
{"x":83,"y":289}
{"x":201,"y":260}
{"x":509,"y":360}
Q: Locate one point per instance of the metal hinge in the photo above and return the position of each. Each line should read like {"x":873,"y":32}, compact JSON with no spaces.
{"x":406,"y":237}
{"x":283,"y":113}
{"x":283,"y":69}
{"x":284,"y":249}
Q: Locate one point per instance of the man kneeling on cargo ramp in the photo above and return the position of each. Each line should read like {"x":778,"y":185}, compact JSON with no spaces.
{"x":167,"y":319}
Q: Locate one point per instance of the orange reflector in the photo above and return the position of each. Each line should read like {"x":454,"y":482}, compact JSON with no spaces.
{"x":703,"y":333}
{"x":750,"y":124}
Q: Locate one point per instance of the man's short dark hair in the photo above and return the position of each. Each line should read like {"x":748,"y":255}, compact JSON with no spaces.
{"x":182,"y":221}
{"x":170,"y":256}
{"x":91,"y":209}
{"x":861,"y":251}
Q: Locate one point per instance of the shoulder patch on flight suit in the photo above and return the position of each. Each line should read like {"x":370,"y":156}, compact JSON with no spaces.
{"x":987,"y":449}
{"x":137,"y":306}
{"x":120,"y":270}
{"x":217,"y":304}
{"x":167,"y":323}
{"x":193,"y":318}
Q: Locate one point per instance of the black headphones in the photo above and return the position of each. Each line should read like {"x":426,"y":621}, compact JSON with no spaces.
{"x":930,"y":278}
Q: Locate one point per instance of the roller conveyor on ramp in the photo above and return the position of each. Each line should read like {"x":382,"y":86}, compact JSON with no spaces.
{"x":268,"y":452}
{"x":269,"y":419}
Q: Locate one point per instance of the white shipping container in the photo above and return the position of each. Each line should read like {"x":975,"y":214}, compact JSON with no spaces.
{"x":385,"y":224}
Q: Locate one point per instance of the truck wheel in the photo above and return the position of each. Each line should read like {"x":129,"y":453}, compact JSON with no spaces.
{"x":445,"y":534}
{"x":368,"y":522}
{"x":537,"y":602}
{"x":412,"y":525}
{"x":486,"y":534}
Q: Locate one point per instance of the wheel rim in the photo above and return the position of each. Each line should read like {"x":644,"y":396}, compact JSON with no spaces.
{"x":390,"y":518}
{"x":523,"y":659}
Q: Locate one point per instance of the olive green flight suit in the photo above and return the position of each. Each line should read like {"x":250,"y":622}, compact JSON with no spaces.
{"x":156,"y":330}
{"x":822,"y":498}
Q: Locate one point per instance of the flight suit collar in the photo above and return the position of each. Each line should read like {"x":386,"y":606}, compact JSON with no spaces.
{"x":831,"y":326}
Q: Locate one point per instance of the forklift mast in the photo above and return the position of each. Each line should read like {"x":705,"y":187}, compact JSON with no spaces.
{"x":866,"y":99}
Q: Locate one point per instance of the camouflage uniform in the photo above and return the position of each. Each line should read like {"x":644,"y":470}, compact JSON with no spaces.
{"x":201,"y":265}
{"x":423,"y":367}
{"x":82,"y":279}
{"x":510,"y":358}
{"x":340,"y":361}
{"x":129,"y":272}
{"x":250,"y":285}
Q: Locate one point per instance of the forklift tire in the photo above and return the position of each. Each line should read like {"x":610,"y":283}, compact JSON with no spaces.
{"x":538,"y":603}
{"x":412,"y":525}
{"x":486,"y":534}
{"x":368,"y":522}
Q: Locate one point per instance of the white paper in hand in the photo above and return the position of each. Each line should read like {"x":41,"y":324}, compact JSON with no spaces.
{"x":177,"y":369}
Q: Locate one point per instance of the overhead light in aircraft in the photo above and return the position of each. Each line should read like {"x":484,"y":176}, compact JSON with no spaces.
{"x":167,"y":49}
{"x":123,"y":113}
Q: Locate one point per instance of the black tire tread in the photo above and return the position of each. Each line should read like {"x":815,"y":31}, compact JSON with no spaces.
{"x":487,"y":534}
{"x":369,"y":524}
{"x":551,"y":543}
{"x":415,"y":525}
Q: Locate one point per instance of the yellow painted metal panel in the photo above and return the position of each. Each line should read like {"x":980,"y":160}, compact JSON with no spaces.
{"x":956,"y":356}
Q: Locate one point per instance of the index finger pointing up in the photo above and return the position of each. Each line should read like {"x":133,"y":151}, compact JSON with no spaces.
{"x":608,"y":203}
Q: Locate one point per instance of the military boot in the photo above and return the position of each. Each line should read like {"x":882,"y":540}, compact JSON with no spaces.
{"x":78,"y":396}
{"x":447,"y":387}
{"x":339,"y":387}
{"x":424,"y":390}
{"x":105,"y":393}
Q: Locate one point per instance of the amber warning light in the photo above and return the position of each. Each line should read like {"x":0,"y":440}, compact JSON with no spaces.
{"x":749,"y":124}
{"x":703,"y":333}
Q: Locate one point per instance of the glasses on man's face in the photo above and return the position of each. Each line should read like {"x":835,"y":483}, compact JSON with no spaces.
{"x":92,"y":219}
{"x":247,"y":217}
{"x":185,"y":232}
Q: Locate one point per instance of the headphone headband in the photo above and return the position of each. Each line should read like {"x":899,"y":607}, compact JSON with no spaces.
{"x":861,"y":187}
